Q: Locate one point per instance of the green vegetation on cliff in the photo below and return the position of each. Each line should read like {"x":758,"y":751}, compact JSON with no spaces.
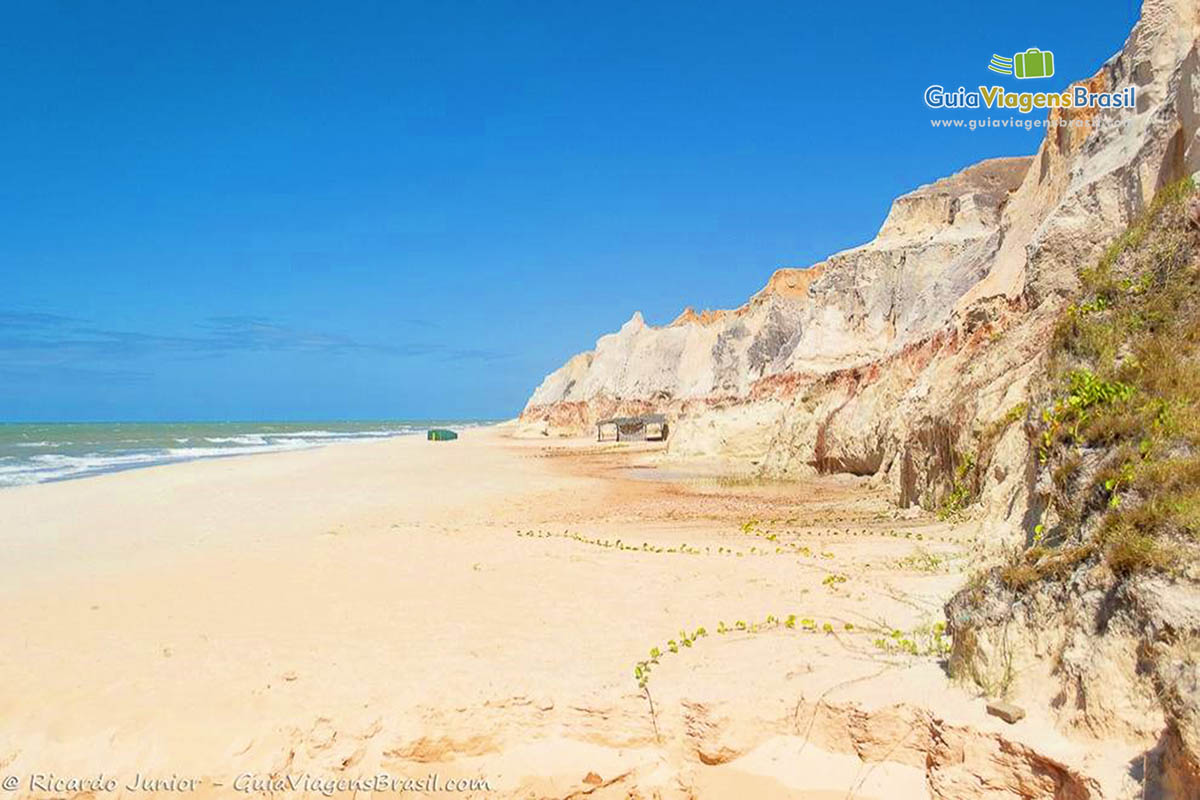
{"x":1120,"y":433}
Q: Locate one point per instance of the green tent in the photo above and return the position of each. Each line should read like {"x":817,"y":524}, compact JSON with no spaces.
{"x":441,"y":435}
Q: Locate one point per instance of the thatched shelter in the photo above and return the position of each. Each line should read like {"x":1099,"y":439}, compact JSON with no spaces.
{"x":647,"y":427}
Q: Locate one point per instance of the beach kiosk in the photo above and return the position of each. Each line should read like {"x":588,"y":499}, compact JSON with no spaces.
{"x":644,"y":428}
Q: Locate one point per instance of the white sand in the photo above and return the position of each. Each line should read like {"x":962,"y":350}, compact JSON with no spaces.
{"x":369,"y":606}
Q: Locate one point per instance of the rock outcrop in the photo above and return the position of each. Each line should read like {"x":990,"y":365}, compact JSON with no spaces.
{"x":891,"y":358}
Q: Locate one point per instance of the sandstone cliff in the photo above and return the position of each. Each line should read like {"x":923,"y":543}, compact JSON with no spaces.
{"x":946,"y":358}
{"x":853,"y":309}
{"x":889,"y":359}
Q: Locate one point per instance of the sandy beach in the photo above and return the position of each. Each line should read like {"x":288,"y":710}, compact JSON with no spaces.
{"x":622,"y":402}
{"x":463,"y":609}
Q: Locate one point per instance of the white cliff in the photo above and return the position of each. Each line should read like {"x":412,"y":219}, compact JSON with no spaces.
{"x":856,"y":306}
{"x":881,"y":359}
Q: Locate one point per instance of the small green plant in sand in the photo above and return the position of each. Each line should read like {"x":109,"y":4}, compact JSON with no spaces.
{"x":922,"y":560}
{"x":752,"y":528}
{"x":618,"y":544}
{"x":834,"y":579}
{"x":642,"y":669}
{"x":924,"y":640}
{"x":776,"y":548}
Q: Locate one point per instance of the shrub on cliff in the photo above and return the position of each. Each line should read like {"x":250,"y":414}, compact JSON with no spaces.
{"x":1120,"y":433}
{"x":1106,"y":596}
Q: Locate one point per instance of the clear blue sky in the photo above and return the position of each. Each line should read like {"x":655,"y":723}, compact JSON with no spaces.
{"x":252,"y":210}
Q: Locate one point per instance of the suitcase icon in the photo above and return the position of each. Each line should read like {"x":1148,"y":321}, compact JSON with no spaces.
{"x":1033,"y":63}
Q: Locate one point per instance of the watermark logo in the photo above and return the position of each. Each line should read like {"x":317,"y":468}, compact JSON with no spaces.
{"x":1033,"y":63}
{"x":1001,"y":64}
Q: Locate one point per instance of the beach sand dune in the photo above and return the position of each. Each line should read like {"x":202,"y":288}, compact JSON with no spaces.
{"x":416,"y":608}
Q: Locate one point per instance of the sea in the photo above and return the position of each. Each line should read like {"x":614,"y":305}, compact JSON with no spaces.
{"x":42,"y":452}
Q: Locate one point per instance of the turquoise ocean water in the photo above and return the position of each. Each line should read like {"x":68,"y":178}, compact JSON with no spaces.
{"x":40,"y":452}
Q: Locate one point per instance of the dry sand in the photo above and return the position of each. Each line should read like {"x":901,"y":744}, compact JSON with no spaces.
{"x":370,"y":607}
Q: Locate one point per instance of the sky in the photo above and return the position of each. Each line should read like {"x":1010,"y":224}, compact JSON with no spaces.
{"x":383,"y":210}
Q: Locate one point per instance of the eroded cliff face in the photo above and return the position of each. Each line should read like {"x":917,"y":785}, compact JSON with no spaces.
{"x":855,"y":308}
{"x":925,"y":359}
{"x":892,"y":358}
